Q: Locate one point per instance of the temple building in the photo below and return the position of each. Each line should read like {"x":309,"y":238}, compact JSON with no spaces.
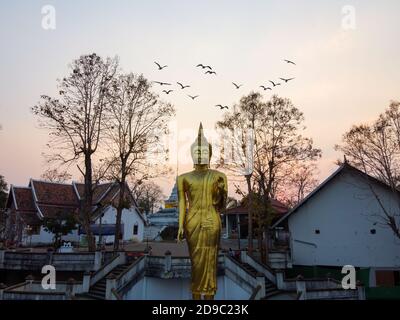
{"x":28,"y":207}
{"x":164,"y":218}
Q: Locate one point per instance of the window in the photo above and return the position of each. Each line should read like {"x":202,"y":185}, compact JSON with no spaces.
{"x":135,"y":229}
{"x":317,"y":231}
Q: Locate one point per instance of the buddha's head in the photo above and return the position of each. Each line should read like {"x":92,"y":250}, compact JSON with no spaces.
{"x":201,"y":150}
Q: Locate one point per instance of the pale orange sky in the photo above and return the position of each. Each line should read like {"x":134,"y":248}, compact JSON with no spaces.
{"x":343,"y":76}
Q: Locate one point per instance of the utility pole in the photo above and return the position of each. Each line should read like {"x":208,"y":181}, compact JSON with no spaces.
{"x":238,"y":226}
{"x":249,"y":165}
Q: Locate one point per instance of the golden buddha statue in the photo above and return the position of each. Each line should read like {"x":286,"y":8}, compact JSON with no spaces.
{"x":202,"y":195}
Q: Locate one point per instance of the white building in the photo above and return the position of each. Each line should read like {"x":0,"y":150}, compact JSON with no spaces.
{"x":132,"y":225}
{"x":340,"y":223}
{"x":27,"y":207}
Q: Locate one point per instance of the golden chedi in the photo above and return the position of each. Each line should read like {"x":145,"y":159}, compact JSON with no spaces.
{"x":202,"y":195}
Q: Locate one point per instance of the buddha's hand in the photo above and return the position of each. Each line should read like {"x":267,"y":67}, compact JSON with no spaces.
{"x":180,"y":234}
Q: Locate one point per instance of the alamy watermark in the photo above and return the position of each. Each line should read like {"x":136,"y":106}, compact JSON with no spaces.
{"x":48,"y":17}
{"x":49,"y":280}
{"x":348,"y":17}
{"x":349,"y":280}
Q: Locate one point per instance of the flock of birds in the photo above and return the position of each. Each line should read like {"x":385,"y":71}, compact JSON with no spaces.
{"x":210,"y":71}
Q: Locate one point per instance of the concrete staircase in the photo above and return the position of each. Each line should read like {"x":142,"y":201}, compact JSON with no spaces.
{"x":248,"y":268}
{"x":270,"y":290}
{"x":98,"y":290}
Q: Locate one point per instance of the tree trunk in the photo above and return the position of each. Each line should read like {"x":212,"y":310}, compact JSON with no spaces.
{"x":86,"y":209}
{"x":117,"y":228}
{"x":266,"y":251}
{"x":120,"y":208}
{"x":57,"y":241}
{"x":268,"y":208}
{"x":250,"y":215}
{"x":260,"y":239}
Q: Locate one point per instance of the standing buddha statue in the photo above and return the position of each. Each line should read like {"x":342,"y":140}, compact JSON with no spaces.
{"x":202,"y":194}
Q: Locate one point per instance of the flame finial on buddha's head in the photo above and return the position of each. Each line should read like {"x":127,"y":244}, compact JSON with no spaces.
{"x":201,"y":149}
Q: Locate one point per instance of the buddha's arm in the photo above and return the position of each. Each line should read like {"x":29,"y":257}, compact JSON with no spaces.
{"x":181,"y":206}
{"x":222,"y":192}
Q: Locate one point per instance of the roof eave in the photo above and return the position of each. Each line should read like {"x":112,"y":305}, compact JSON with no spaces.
{"x":311,"y":194}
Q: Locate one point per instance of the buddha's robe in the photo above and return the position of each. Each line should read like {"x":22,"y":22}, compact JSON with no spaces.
{"x":202,"y":194}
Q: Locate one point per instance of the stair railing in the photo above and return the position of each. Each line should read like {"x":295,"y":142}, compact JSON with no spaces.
{"x":107,"y":268}
{"x":255,"y":292}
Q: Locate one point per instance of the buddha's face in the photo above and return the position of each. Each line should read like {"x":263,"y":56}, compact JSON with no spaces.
{"x":201,"y":154}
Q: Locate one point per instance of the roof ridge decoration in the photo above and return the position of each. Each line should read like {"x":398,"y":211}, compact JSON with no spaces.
{"x":50,"y":182}
{"x":35,"y":199}
{"x":76,"y":191}
{"x":111,"y":185}
{"x":13,"y":194}
{"x":20,"y":187}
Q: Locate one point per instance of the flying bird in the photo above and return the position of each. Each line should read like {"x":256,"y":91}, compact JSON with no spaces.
{"x":211,"y":72}
{"x":162,"y":83}
{"x":275,"y":84}
{"x":168,"y":91}
{"x":286,"y":80}
{"x":193,"y":97}
{"x":182,"y":86}
{"x":288,"y":61}
{"x":265,"y":88}
{"x":203,"y":66}
{"x":159,"y":66}
{"x":236,"y":85}
{"x":221,"y":106}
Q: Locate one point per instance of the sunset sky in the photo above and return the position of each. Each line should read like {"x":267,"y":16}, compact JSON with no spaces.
{"x":343,"y":76}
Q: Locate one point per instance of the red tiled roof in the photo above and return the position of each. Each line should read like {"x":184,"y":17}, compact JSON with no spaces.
{"x":57,"y":199}
{"x":237,"y":210}
{"x":24,"y":199}
{"x":55,"y":193}
{"x":30,"y":218}
{"x":57,"y":211}
{"x":111,"y":197}
{"x":279,"y":207}
{"x":98,"y":190}
{"x":80,"y":188}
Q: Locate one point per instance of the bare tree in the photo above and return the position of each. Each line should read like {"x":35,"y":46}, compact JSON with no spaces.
{"x":375,"y":150}
{"x":299,"y":181}
{"x":75,"y":120}
{"x":232,"y":202}
{"x":278,"y":145}
{"x":3,"y":192}
{"x":237,"y":151}
{"x":147,"y":195}
{"x":55,"y":175}
{"x":3,"y":200}
{"x":136,"y":121}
